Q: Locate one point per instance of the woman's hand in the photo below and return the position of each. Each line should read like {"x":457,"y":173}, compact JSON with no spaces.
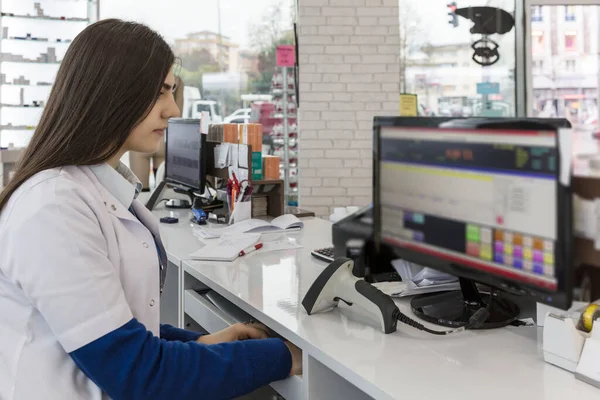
{"x":296,"y":359}
{"x":236,"y":332}
{"x":252,"y":330}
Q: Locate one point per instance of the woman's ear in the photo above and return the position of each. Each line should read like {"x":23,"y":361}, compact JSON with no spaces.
{"x":179,"y":93}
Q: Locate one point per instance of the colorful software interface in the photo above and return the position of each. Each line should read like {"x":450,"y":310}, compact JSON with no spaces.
{"x":483,"y":199}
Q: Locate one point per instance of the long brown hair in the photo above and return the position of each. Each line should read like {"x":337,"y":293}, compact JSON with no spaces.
{"x":107,"y":83}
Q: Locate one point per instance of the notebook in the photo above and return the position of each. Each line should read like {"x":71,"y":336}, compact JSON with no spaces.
{"x":227,"y":248}
{"x":284,"y":223}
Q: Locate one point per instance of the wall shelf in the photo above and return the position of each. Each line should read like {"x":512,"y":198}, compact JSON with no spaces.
{"x":16,"y":128}
{"x":23,"y":85}
{"x":30,"y":62}
{"x":17,"y":125}
{"x":38,"y":40}
{"x":284,"y":94}
{"x":20,"y":106}
{"x":45,"y":18}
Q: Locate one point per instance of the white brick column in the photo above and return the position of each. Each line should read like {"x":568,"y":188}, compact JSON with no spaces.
{"x":349,"y":73}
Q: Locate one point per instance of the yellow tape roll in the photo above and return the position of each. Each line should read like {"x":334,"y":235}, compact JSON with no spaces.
{"x":589,"y":315}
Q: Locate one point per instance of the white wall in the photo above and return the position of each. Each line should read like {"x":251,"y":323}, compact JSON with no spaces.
{"x":349,"y":72}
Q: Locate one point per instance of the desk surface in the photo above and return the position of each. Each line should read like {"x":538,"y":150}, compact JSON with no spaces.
{"x":178,"y":239}
{"x":497,"y":364}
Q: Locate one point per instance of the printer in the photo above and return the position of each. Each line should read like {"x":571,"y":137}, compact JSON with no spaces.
{"x":359,"y":227}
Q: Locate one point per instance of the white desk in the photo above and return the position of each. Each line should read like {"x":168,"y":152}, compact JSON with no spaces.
{"x":344,"y":359}
{"x":179,"y":242}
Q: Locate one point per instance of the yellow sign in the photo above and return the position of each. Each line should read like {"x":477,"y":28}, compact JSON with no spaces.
{"x":408,"y":105}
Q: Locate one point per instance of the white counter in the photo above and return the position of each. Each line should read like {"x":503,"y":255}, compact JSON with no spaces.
{"x":350,"y":360}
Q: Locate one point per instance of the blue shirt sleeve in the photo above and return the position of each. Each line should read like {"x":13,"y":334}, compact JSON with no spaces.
{"x":170,"y":333}
{"x":131,"y":363}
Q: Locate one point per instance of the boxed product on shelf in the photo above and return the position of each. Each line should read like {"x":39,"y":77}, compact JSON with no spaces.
{"x":271,"y":167}
{"x":230,"y":133}
{"x":251,"y":134}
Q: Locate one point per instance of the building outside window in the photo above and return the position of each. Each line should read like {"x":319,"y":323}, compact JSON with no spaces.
{"x":570,"y":41}
{"x":569,"y":13}
{"x":567,"y":85}
{"x":538,"y":42}
{"x":536,"y":14}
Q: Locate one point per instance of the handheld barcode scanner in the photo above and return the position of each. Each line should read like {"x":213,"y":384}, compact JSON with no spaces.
{"x":337,"y":283}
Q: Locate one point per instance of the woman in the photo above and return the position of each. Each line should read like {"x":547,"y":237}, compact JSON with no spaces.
{"x":140,"y":162}
{"x":80,"y":259}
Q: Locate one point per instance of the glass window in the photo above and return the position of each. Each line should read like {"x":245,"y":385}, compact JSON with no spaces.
{"x":226,"y":47}
{"x":441,"y":67}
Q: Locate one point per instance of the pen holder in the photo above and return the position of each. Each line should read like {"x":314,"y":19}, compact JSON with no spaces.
{"x":242,"y":211}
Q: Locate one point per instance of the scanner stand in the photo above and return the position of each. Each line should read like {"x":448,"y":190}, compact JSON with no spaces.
{"x":455,"y":308}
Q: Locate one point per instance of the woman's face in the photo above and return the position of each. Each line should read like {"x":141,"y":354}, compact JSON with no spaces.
{"x":147,"y":136}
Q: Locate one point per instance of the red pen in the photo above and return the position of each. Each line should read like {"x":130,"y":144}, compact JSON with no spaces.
{"x":250,"y":249}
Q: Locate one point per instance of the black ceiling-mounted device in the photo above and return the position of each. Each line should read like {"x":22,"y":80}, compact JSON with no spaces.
{"x":487,"y":21}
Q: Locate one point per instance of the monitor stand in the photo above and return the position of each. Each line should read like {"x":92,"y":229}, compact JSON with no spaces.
{"x":155,"y":197}
{"x":454,"y":308}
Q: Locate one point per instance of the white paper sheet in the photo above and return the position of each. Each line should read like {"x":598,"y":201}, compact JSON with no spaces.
{"x":584,"y":217}
{"x":242,"y":174}
{"x":205,"y":122}
{"x":243,"y":156}
{"x":284,"y":244}
{"x":222,"y":155}
{"x":226,"y":248}
{"x":234,"y":155}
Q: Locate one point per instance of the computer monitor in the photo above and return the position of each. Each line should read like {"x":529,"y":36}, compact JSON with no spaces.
{"x":185,"y":162}
{"x":521,"y":123}
{"x":486,"y":205}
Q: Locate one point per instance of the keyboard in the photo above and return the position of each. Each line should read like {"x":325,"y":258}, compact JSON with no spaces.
{"x":325,"y":254}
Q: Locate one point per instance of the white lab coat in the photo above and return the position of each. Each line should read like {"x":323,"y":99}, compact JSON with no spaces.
{"x":75,"y":264}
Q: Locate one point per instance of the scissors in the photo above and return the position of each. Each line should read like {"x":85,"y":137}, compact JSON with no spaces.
{"x":243,"y":187}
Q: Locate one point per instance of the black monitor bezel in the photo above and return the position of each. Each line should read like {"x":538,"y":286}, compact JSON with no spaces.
{"x":202,"y":157}
{"x":561,"y":298}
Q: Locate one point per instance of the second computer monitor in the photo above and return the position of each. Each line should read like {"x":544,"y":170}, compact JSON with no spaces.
{"x":481,"y":204}
{"x":185,"y":163}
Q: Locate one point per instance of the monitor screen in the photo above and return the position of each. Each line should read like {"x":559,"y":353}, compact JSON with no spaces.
{"x":482,"y":199}
{"x":184,"y":161}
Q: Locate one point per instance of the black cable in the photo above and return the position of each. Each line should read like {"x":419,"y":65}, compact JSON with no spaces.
{"x":480,"y":316}
{"x":411,"y":322}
